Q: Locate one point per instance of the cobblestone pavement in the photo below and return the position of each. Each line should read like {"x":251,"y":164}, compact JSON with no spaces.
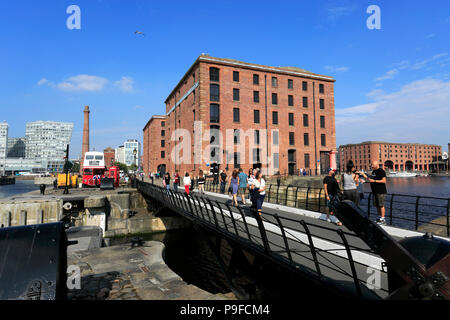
{"x":124,"y":273}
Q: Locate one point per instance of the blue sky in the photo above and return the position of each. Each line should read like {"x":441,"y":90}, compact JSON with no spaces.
{"x":391,"y":84}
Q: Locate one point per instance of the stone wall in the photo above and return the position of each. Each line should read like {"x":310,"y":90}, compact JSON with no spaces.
{"x":29,"y":211}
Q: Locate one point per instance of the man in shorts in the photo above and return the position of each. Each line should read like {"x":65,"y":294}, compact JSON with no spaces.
{"x":378,"y":186}
{"x":242,"y":185}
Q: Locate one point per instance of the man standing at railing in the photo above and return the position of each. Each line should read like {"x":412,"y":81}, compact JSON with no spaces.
{"x":378,"y":186}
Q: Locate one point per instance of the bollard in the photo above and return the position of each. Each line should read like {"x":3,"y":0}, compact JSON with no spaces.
{"x":23,"y":218}
{"x":42,"y":188}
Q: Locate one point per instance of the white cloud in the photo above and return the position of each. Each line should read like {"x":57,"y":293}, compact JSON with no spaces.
{"x":388,"y":75}
{"x":139,"y":107}
{"x":335,"y":12}
{"x":406,"y":65}
{"x":42,"y":82}
{"x":336,"y":69}
{"x":83,"y":82}
{"x":423,"y":63}
{"x":361,"y":109}
{"x":418,"y":112}
{"x":125,"y":84}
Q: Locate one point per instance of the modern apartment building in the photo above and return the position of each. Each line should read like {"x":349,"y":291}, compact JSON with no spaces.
{"x":120,"y":154}
{"x":47,"y":139}
{"x":247,"y":115}
{"x":132,"y":152}
{"x":155,"y":157}
{"x":395,"y":156}
{"x":16,"y":148}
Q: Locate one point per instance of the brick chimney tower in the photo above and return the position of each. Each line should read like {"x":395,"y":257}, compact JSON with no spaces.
{"x":85,"y":146}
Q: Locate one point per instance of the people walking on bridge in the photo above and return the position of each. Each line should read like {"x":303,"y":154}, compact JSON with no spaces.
{"x":260,"y":191}
{"x":331,"y":188}
{"x":223,"y":180}
{"x":242,"y":185}
{"x":350,"y":181}
{"x":234,"y":185}
{"x":176,"y":181}
{"x":166,"y":181}
{"x":187,"y":182}
{"x":378,"y":186}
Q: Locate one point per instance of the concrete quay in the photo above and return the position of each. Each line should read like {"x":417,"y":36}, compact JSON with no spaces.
{"x":118,"y":212}
{"x":123,"y":272}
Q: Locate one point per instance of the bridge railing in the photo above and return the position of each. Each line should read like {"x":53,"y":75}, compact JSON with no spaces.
{"x":404,"y":211}
{"x":322,"y":252}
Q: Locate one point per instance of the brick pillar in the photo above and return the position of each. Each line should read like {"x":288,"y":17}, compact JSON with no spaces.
{"x":85,"y":146}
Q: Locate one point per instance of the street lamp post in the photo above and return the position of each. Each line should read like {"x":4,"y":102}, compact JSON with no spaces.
{"x":135,"y":153}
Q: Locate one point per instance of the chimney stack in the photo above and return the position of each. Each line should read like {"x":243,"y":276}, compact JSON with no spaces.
{"x":85,"y":146}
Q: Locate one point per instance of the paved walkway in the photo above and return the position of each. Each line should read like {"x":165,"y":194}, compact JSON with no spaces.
{"x":124,"y":273}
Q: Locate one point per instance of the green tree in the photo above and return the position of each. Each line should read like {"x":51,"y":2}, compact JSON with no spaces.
{"x":75,"y":167}
{"x":133,"y":167}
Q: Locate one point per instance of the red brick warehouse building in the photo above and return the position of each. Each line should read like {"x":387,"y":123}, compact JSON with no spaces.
{"x":154,"y":158}
{"x":395,"y":156}
{"x":283,"y":113}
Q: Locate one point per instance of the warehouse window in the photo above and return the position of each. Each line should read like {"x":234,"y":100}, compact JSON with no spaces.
{"x":256,"y":96}
{"x":290,"y":100}
{"x":236,"y":115}
{"x":236,"y":94}
{"x":274,"y":117}
{"x":214,"y":92}
{"x":236,"y":76}
{"x":213,"y":74}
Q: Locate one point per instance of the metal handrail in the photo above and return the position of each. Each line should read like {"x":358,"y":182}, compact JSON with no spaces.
{"x":397,"y":205}
{"x":195,"y":203}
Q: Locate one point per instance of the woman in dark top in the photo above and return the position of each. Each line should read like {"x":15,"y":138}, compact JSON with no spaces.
{"x":167,"y":181}
{"x":201,"y":182}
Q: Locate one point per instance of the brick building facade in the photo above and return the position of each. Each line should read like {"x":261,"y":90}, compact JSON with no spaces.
{"x":154,"y":157}
{"x":110,"y":156}
{"x":280,"y":119}
{"x":395,"y":156}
